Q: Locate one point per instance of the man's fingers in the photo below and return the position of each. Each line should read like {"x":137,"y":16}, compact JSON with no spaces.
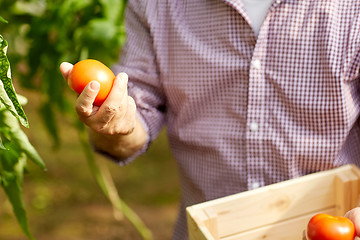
{"x":84,"y":103}
{"x":65,"y":69}
{"x":354,"y":216}
{"x":115,"y":102}
{"x":119,"y":88}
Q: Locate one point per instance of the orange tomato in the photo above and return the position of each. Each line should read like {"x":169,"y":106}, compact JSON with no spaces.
{"x":89,"y":70}
{"x":326,"y":227}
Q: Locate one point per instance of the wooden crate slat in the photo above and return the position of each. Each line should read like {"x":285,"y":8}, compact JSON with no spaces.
{"x":342,"y":194}
{"x":197,"y":224}
{"x":212,"y":222}
{"x":291,"y":229}
{"x":356,"y":171}
{"x":353,"y":190}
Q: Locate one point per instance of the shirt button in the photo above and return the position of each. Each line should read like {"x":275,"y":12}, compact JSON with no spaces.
{"x":255,"y":185}
{"x":256,"y":64}
{"x":254,"y":126}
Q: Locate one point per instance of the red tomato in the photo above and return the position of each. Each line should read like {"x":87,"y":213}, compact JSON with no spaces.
{"x":326,"y":227}
{"x":89,"y":70}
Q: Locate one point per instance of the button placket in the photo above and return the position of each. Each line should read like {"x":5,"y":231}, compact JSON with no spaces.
{"x":254,"y":126}
{"x":254,"y":119}
{"x":256,"y":63}
{"x":256,"y":89}
{"x":255,"y":185}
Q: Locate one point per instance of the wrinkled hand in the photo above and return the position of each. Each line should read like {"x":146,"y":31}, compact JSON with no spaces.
{"x":116,"y":116}
{"x":354,"y":216}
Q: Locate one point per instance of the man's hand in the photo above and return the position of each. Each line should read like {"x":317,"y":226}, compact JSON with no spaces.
{"x":115,"y":116}
{"x":114,"y":127}
{"x":354,"y":216}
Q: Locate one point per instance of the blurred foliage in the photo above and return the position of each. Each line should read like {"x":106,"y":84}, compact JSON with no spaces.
{"x":44,"y":33}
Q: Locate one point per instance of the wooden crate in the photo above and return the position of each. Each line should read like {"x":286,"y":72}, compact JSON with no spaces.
{"x":279,"y":211}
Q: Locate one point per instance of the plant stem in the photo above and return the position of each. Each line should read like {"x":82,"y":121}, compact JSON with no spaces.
{"x":103,"y":177}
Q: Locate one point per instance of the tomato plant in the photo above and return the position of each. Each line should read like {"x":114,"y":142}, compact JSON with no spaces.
{"x":327,"y":227}
{"x":15,"y":147}
{"x":89,"y":70}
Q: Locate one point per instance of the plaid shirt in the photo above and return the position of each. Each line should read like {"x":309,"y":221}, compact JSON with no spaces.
{"x":243,"y":112}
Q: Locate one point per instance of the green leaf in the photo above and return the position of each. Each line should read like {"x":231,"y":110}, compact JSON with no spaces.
{"x":71,"y":6}
{"x":19,"y":137}
{"x":12,"y":166}
{"x":3,"y":20}
{"x":113,"y":9}
{"x":7,"y":92}
{"x":33,"y":8}
{"x":22,"y":99}
{"x":28,"y":148}
{"x":101,"y":30}
{"x":11,"y":183}
{"x":2,"y":144}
